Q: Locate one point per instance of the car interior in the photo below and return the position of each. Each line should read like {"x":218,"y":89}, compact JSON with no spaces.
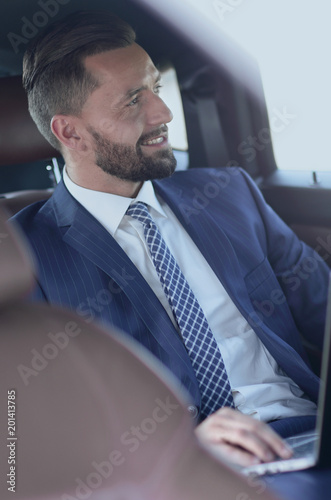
{"x":220,"y":109}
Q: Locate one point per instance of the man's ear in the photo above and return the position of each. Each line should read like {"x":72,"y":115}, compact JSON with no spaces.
{"x":66,"y":129}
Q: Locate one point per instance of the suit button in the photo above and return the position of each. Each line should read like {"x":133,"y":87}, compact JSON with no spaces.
{"x":193,"y":411}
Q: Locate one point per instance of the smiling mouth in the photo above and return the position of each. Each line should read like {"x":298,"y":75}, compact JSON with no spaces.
{"x":156,"y":140}
{"x":157,"y":137}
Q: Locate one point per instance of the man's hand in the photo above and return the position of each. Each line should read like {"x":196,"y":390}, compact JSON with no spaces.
{"x":242,"y":439}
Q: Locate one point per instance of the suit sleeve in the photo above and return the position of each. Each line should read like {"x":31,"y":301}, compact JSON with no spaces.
{"x":36,"y":293}
{"x":301,"y":272}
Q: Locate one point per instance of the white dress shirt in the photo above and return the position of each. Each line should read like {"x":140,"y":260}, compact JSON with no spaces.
{"x":260,"y":387}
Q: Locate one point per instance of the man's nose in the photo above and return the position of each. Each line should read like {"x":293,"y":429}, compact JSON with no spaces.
{"x":158,"y":111}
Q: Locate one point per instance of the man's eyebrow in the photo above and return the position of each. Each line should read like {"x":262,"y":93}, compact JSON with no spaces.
{"x":135,"y":91}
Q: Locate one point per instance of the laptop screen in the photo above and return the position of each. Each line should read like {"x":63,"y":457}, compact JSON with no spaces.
{"x":324,"y":401}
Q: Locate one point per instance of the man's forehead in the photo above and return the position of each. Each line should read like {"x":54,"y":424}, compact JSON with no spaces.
{"x":124,"y":62}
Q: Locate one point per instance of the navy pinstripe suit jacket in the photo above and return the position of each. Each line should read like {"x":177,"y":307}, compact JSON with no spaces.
{"x":278,"y":283}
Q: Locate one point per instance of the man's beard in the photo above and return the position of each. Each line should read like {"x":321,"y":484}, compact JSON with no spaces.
{"x":129,"y":163}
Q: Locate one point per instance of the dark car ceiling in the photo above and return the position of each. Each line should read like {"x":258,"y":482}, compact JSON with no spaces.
{"x":168,"y":29}
{"x":18,"y":18}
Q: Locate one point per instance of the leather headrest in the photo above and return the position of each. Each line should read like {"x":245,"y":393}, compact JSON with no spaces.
{"x":14,"y":202}
{"x":20,"y":140}
{"x":16,"y":265}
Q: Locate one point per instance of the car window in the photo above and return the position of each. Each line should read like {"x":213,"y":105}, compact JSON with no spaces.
{"x":290,"y":41}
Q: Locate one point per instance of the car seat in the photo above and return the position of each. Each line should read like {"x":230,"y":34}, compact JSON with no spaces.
{"x":20,"y":142}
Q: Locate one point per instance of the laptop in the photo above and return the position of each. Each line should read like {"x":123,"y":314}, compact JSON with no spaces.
{"x":313,"y":448}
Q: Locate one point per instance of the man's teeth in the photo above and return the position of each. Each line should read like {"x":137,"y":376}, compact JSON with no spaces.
{"x":153,"y":141}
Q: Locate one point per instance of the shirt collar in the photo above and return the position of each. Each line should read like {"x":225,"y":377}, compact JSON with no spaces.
{"x":109,"y":209}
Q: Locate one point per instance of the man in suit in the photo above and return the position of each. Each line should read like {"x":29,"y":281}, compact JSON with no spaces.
{"x":94,"y":94}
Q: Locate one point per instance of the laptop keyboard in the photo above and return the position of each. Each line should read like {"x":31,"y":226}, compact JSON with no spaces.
{"x":303,"y":447}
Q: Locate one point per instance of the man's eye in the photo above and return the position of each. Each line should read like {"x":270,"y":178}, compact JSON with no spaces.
{"x":157,"y":89}
{"x":134,"y":101}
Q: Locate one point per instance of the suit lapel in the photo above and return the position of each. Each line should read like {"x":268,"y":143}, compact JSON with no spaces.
{"x":205,"y":232}
{"x":86,"y":235}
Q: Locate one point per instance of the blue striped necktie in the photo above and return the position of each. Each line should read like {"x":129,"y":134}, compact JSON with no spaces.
{"x":198,"y":338}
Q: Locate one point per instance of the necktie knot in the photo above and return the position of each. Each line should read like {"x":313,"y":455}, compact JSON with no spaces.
{"x":140,"y":212}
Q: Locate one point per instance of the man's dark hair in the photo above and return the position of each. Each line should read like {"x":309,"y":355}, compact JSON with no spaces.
{"x":54,"y":75}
